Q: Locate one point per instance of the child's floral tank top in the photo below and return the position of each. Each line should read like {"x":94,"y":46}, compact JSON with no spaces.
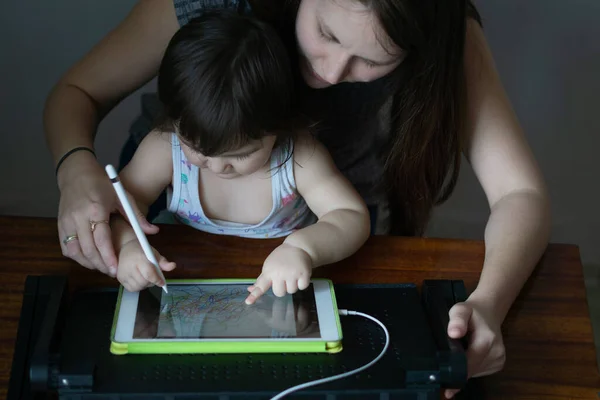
{"x":289,"y":212}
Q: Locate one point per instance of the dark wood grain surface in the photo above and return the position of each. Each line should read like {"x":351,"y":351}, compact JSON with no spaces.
{"x":548,"y":334}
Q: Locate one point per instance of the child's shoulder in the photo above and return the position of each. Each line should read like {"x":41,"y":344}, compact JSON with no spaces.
{"x":308,"y":150}
{"x":157,"y":140}
{"x":155,"y":148}
{"x":313,"y":165}
{"x":151,"y":165}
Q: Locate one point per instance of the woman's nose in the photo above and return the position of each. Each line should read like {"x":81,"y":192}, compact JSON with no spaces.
{"x":335,"y":68}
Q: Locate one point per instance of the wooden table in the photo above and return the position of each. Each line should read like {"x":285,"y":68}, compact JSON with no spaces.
{"x":548,"y":335}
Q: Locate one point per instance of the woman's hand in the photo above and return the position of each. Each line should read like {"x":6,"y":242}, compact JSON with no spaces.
{"x":86,"y":202}
{"x":485,"y":354}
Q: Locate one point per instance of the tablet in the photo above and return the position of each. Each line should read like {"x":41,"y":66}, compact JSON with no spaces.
{"x":210,"y":316}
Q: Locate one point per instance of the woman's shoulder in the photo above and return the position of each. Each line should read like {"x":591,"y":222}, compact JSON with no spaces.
{"x":267,"y":10}
{"x":186,"y":10}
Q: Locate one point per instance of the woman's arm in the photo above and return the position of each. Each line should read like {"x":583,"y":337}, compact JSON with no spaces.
{"x":123,"y":61}
{"x":519,"y":226}
{"x":518,"y":229}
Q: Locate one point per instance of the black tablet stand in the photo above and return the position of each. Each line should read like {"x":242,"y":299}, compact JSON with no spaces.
{"x":62,"y":351}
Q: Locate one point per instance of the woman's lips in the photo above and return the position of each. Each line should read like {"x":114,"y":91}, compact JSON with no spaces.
{"x":312,"y":72}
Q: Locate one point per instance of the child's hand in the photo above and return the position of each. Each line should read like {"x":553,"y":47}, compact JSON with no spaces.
{"x":286,"y":270}
{"x":135,"y":272}
{"x":485,"y":353}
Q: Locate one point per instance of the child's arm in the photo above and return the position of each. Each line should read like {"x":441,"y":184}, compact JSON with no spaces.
{"x":342,"y":228}
{"x":344,"y":223}
{"x":145,"y":177}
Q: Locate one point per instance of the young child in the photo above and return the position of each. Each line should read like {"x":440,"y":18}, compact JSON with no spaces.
{"x":236,"y":159}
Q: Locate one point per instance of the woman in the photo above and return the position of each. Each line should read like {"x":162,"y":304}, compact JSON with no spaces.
{"x":400,"y":89}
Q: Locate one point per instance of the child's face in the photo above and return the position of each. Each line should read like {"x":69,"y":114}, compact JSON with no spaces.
{"x":232,"y":164}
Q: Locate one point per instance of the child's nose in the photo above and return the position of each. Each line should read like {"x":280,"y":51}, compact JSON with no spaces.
{"x":202,"y":161}
{"x":217,"y":165}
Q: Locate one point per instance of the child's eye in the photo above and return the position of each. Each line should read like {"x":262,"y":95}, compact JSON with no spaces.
{"x":242,"y":157}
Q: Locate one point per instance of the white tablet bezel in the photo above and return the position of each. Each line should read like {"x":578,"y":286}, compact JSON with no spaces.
{"x":326,"y":313}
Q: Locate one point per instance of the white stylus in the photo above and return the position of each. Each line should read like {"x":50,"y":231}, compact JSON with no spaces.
{"x":114,"y":178}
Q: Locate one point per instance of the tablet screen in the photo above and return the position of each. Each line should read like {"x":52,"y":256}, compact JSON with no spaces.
{"x":214,"y":311}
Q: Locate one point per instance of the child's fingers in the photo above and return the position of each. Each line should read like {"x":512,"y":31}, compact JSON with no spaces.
{"x":122,"y":273}
{"x":148,"y":272}
{"x":130,"y":287}
{"x":260,"y":287}
{"x":139,"y":274}
{"x":133,"y":283}
{"x":303,"y":282}
{"x":279,"y":288}
{"x":124,"y":277}
{"x":126,"y":282}
{"x":166,"y":265}
{"x":140,"y":283}
{"x":291,"y":286}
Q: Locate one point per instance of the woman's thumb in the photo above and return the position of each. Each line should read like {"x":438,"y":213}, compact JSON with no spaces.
{"x":460,"y":315}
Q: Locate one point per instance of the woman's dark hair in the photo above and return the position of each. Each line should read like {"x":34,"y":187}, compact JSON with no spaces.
{"x":428,"y":109}
{"x":226,"y":79}
{"x":423,"y":156}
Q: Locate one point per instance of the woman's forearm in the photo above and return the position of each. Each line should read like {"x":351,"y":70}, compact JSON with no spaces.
{"x":516,"y":236}
{"x":70,"y":119}
{"x":93,"y":86}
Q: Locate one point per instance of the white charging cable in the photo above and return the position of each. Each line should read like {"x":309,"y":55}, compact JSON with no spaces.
{"x":348,"y":373}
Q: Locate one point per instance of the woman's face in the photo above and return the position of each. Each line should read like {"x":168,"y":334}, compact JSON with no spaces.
{"x":342,"y":41}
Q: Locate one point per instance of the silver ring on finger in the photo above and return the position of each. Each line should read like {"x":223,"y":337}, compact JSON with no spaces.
{"x":70,"y":238}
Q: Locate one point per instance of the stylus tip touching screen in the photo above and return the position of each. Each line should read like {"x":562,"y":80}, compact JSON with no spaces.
{"x":218,"y":311}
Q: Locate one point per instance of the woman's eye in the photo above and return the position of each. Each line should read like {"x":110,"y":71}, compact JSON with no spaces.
{"x":324,"y":36}
{"x":370,"y":64}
